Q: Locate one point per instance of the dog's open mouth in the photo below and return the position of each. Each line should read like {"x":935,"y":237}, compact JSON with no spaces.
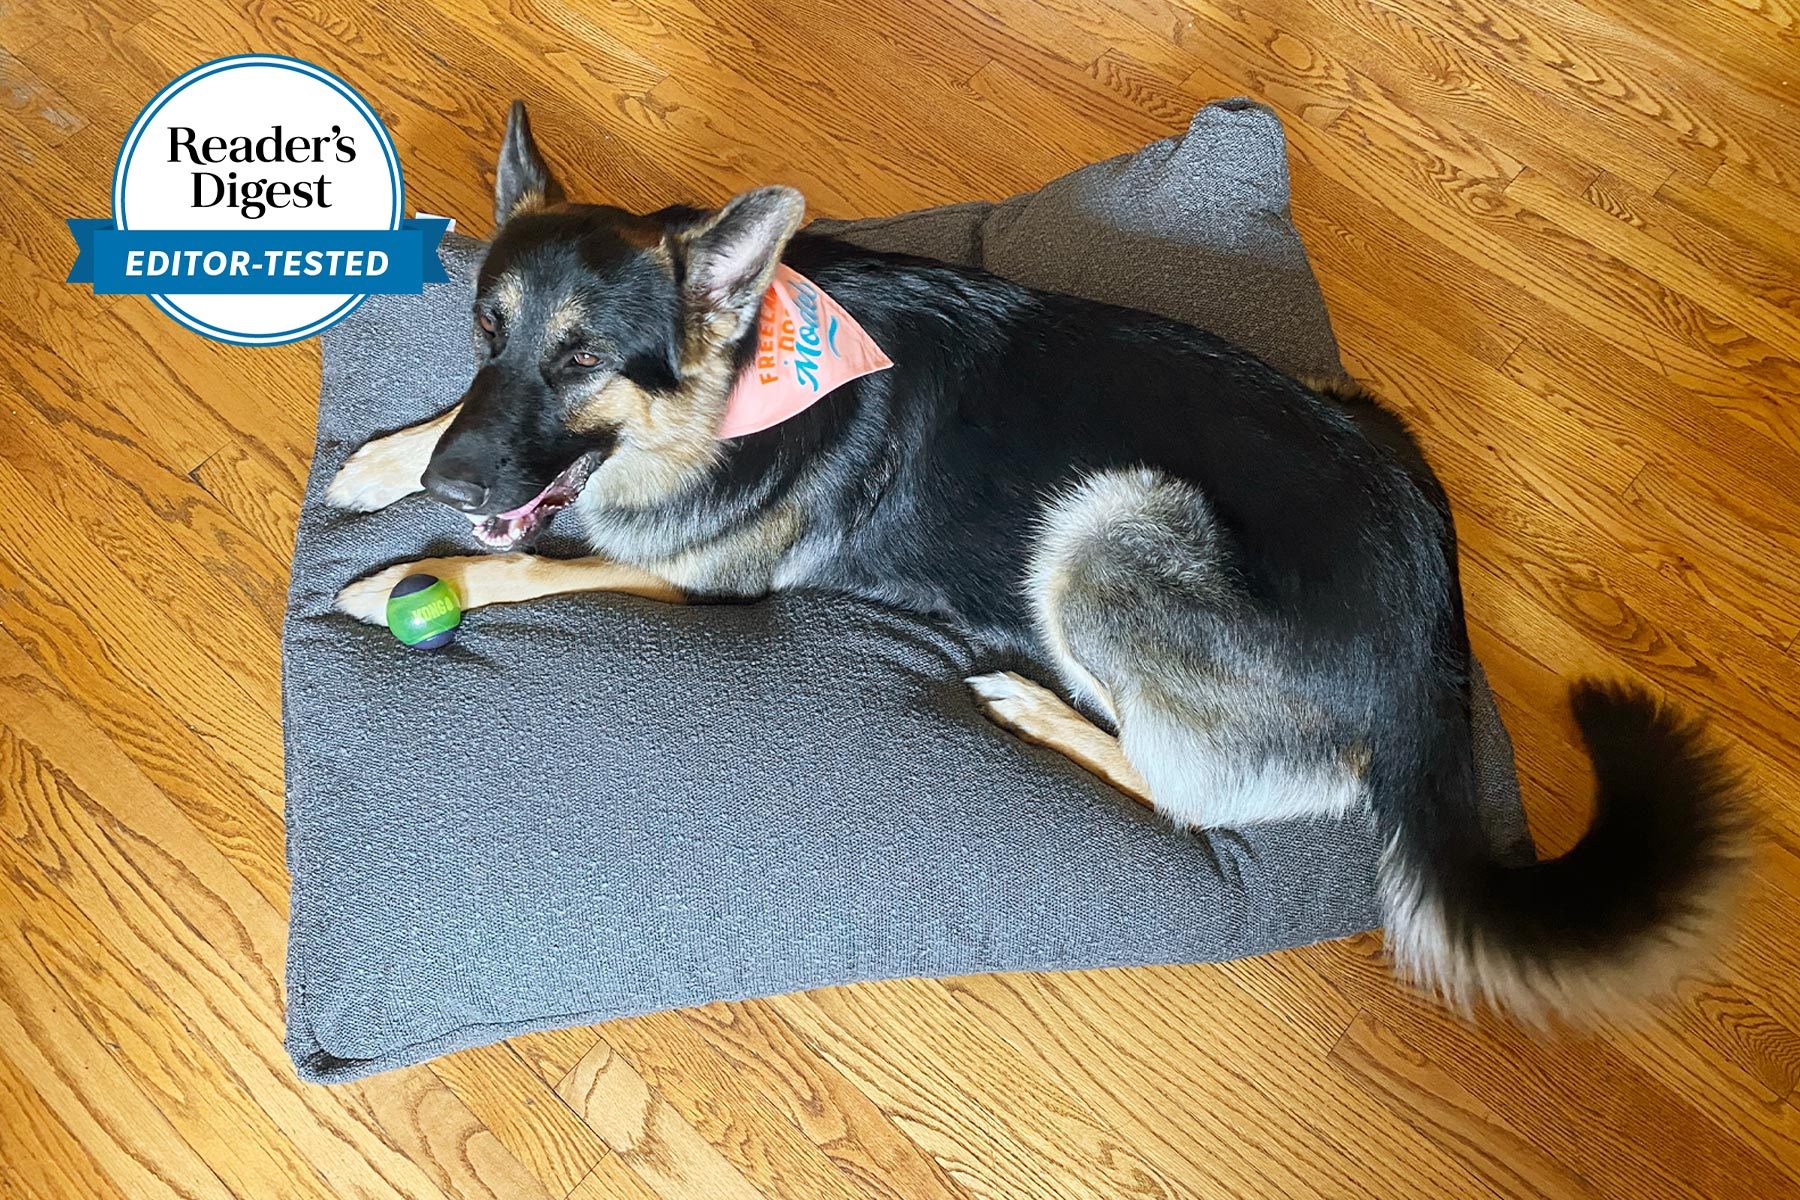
{"x":504,"y":531}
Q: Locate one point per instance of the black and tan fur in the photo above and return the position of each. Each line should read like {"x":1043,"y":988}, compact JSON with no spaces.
{"x":1254,"y":580}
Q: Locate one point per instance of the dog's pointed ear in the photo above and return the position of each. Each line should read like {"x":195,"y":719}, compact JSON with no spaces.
{"x":523,"y":180}
{"x":729,"y":258}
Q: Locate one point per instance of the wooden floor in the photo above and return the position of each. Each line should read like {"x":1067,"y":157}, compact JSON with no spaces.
{"x":1560,"y":234}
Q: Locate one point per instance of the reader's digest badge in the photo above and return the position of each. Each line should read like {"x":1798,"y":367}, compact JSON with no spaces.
{"x":257,"y":200}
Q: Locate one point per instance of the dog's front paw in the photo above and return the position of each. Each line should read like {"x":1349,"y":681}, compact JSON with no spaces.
{"x":477,"y":579}
{"x":366,"y":599}
{"x":381,"y":472}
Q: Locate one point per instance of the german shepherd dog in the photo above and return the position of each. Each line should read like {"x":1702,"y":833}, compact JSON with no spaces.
{"x":1254,"y":581}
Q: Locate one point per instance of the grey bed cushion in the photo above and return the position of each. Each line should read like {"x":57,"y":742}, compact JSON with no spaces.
{"x":595,"y":806}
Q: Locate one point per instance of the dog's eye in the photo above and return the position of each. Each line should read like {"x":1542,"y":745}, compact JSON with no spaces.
{"x":584,"y":360}
{"x":486,"y":320}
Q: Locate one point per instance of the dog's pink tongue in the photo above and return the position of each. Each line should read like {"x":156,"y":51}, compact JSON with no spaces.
{"x":526,"y":508}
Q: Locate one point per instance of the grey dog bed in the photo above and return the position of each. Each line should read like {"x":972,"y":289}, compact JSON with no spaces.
{"x":595,"y":806}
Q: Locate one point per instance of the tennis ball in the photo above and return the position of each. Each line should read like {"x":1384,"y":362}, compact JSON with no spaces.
{"x":423,"y":612}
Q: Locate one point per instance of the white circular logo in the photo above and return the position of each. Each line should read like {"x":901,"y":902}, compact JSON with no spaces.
{"x":258,"y":144}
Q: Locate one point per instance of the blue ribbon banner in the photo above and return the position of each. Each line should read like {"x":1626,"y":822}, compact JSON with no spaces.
{"x":293,"y":262}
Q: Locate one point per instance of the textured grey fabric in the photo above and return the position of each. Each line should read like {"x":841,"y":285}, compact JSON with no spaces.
{"x":1195,"y":228}
{"x":594,"y":806}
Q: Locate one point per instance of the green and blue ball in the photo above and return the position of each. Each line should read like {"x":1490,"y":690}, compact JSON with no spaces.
{"x":423,"y":612}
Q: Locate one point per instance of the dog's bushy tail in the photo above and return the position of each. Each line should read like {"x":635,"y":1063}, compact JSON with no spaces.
{"x":1617,"y":916}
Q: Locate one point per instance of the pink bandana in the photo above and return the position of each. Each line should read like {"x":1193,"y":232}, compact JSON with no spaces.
{"x":806,"y":346}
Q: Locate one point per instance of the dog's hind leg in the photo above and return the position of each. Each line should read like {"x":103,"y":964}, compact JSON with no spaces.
{"x":1039,"y":715}
{"x":483,"y":579}
{"x":387,"y":468}
{"x":1135,"y":602}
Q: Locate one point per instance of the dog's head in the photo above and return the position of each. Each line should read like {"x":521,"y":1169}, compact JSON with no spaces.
{"x":606,"y":343}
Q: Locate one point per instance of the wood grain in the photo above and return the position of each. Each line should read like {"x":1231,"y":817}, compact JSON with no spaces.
{"x":43,"y":1160}
{"x":1562,"y":236}
{"x":524,"y":1113}
{"x":701,"y":1085}
{"x":647,"y":1133}
{"x":611,"y":1179}
{"x":821,"y":1102}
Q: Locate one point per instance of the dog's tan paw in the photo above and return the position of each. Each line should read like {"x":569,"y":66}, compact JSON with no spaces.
{"x":1034,"y":713}
{"x":1015,"y":702}
{"x":378,"y":474}
{"x":366,"y":599}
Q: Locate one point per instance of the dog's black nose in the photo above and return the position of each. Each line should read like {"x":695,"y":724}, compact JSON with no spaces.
{"x":450,"y":485}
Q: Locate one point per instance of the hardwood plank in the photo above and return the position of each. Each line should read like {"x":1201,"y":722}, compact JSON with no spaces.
{"x":1598,"y":481}
{"x":1145,"y":91}
{"x":1715,"y":667}
{"x":1614,"y":81}
{"x":125,"y":1133}
{"x":1508,"y":284}
{"x":42,"y":116}
{"x":1756,"y":960}
{"x":1718,"y":1045}
{"x":1629,"y":1113}
{"x":700,"y":1084}
{"x":667,"y":1153}
{"x":1238,"y":1141}
{"x":1772,"y":278}
{"x":1431,"y":75}
{"x":122,"y":596}
{"x":44,"y":938}
{"x":1611,"y":483}
{"x":1408,"y":1083}
{"x":1753,"y":546}
{"x":43,"y":1160}
{"x":1735,"y":217}
{"x":1282,"y":67}
{"x":259,"y":493}
{"x":1782,"y":14}
{"x":1754,"y":111}
{"x":553,"y":1053}
{"x":66,"y":329}
{"x":1779,"y":202}
{"x":1684,"y":338}
{"x":69,"y":426}
{"x":1252,"y":1137}
{"x":612,"y":1180}
{"x":172,"y":910}
{"x":240,"y":817}
{"x":1713,"y":35}
{"x":839,"y":1118}
{"x":1741,"y":1028}
{"x":25,"y":26}
{"x":524,"y":1113}
{"x":427,"y":1123}
{"x":110,"y":99}
{"x":1634,"y":247}
{"x":1626,"y":402}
